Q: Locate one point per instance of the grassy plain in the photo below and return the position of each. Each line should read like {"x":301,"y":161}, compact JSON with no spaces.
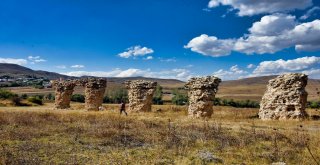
{"x":39,"y":135}
{"x":244,"y":89}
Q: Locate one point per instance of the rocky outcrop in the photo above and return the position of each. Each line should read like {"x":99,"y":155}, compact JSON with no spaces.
{"x":201,"y":92}
{"x":94,"y":92}
{"x":63,"y":93}
{"x":285,"y":98}
{"x":140,"y":94}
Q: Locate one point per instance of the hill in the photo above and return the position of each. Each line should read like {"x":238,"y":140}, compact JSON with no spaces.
{"x":248,"y":88}
{"x":17,"y":71}
{"x":253,"y":88}
{"x":166,"y":83}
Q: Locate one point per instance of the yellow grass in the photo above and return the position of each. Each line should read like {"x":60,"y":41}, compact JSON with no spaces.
{"x":226,"y":91}
{"x":39,"y":135}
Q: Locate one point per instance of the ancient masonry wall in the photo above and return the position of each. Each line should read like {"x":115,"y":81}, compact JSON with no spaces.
{"x":140,"y":95}
{"x":201,"y":92}
{"x":63,"y":93}
{"x":285,"y":98}
{"x":94,"y":92}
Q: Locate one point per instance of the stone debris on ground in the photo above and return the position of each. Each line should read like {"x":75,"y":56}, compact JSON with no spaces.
{"x":208,"y":157}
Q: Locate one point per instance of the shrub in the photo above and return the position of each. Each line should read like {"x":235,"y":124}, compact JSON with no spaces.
{"x":5,"y":94}
{"x":14,"y":84}
{"x":40,"y":96}
{"x":38,"y":86}
{"x":237,"y":104}
{"x":24,"y":96}
{"x":314,"y":104}
{"x":318,"y":94}
{"x":106,"y":99}
{"x":35,"y":99}
{"x":78,"y":98}
{"x":157,"y":100}
{"x":16,"y":101}
{"x":116,"y":96}
{"x":179,"y":98}
{"x":50,"y":96}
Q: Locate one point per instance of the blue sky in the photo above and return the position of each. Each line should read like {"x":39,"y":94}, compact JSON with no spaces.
{"x":165,"y":39}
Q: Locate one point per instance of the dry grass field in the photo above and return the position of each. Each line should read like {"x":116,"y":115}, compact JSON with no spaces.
{"x":39,"y":135}
{"x":243,"y":89}
{"x":253,"y":88}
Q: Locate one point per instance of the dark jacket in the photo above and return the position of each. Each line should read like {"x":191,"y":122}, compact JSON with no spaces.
{"x":123,"y":106}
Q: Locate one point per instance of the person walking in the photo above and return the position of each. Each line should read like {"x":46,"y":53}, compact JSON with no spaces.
{"x":123,"y":108}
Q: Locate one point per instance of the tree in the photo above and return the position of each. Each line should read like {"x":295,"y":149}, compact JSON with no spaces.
{"x":116,"y":96}
{"x":315,"y":104}
{"x":78,"y":98}
{"x":106,"y":99}
{"x":179,"y":98}
{"x":157,"y":97}
{"x":237,"y":104}
{"x":216,"y":101}
{"x":318,"y":93}
{"x":50,"y":96}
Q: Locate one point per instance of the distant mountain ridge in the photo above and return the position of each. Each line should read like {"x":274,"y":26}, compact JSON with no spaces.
{"x":254,"y":87}
{"x":17,"y":71}
{"x":247,"y":88}
{"x":250,"y":80}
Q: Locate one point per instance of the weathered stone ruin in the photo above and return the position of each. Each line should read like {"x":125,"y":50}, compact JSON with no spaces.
{"x":63,"y":93}
{"x":140,"y":95}
{"x":94,"y":92}
{"x":285,"y":98}
{"x":201,"y":92}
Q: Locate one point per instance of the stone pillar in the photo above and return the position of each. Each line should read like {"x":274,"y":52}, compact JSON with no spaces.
{"x":140,"y":95}
{"x":94,"y":93}
{"x":285,"y":98}
{"x":63,"y":93}
{"x":201,"y":92}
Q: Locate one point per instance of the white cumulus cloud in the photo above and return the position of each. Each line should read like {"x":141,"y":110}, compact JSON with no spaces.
{"x":13,"y":61}
{"x":254,"y":7}
{"x":271,"y":34}
{"x":135,"y":51}
{"x":310,"y":12}
{"x":210,"y":45}
{"x":304,"y":64}
{"x":77,"y":66}
{"x":313,"y":73}
{"x":272,"y":25}
{"x":61,"y":67}
{"x":168,"y":59}
{"x":181,"y":74}
{"x":250,"y":66}
{"x":234,"y":72}
{"x":35,"y":59}
{"x":307,"y":65}
{"x":148,"y":58}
